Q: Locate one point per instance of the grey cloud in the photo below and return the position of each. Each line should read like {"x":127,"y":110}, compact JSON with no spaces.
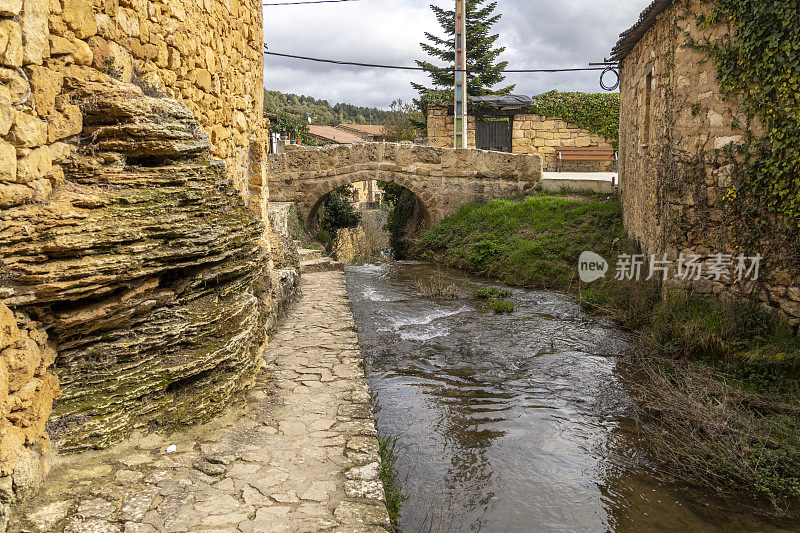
{"x":536,"y":34}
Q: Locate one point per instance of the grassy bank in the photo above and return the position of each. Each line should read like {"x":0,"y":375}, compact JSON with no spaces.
{"x":531,"y":243}
{"x":717,"y":382}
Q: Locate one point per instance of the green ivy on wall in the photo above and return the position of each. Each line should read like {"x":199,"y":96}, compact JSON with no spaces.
{"x":759,"y":62}
{"x":597,"y":112}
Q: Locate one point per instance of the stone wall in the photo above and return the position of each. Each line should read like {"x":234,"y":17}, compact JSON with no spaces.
{"x":444,"y":179}
{"x":674,"y":168}
{"x":441,"y":122}
{"x":27,"y":390}
{"x":535,"y":134}
{"x":207,"y":54}
{"x":530,"y":134}
{"x":119,"y":232}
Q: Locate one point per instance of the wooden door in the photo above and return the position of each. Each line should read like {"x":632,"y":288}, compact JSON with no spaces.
{"x":493,"y":134}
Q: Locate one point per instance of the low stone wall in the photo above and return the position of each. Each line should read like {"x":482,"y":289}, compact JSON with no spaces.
{"x":443,"y":179}
{"x":441,"y":122}
{"x":530,"y":134}
{"x":543,"y":136}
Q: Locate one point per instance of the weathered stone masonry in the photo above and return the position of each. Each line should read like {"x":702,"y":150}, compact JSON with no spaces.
{"x":132,"y":266}
{"x":443,"y":179}
{"x":530,"y":134}
{"x":674,"y":174}
{"x":301,"y":454}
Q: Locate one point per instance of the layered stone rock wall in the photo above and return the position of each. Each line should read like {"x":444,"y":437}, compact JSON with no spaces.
{"x":675,"y":173}
{"x":145,"y":268}
{"x":444,"y":179}
{"x":530,"y":134}
{"x":125,"y":246}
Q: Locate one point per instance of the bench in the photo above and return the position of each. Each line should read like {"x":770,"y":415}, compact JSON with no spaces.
{"x":589,"y":153}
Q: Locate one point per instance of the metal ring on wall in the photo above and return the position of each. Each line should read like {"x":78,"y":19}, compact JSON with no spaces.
{"x":616,"y":83}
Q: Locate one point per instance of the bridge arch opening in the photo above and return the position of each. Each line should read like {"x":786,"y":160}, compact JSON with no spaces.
{"x":407,"y":214}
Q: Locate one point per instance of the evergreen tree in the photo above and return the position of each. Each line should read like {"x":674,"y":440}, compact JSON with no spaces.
{"x":483,"y":72}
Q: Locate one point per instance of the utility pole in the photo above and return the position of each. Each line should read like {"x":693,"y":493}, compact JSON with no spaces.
{"x":460,"y":115}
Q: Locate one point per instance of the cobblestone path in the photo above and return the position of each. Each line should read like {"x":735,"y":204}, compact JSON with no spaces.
{"x":301,"y":455}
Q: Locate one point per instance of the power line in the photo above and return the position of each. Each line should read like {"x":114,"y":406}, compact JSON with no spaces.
{"x":308,"y":2}
{"x":398,"y":67}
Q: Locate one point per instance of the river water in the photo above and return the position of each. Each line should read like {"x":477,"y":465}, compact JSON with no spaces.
{"x":511,"y":422}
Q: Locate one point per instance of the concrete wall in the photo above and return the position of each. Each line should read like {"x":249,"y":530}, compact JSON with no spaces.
{"x":444,"y":179}
{"x":674,"y":171}
{"x":531,"y":134}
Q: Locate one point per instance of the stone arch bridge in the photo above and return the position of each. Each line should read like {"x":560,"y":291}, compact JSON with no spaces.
{"x":443,"y":179}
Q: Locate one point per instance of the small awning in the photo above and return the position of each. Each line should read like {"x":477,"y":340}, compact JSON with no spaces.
{"x":508,"y":100}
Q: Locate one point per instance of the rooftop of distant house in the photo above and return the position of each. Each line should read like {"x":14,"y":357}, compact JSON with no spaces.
{"x":333,"y":134}
{"x":375,"y":130}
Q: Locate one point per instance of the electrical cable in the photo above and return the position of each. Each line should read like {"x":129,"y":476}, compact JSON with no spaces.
{"x":308,"y":2}
{"x":398,"y":67}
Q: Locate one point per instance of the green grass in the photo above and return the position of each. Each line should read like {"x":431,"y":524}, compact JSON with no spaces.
{"x":532,"y":243}
{"x":717,"y":381}
{"x":387,"y":450}
{"x":489,"y":293}
{"x":496,"y":299}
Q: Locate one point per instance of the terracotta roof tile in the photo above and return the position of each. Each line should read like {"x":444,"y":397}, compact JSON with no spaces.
{"x":371,"y":129}
{"x":333,"y":134}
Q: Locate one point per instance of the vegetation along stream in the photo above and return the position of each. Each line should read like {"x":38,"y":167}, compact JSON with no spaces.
{"x":510,"y":421}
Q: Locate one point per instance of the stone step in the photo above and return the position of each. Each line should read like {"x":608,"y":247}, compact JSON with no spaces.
{"x":307,"y":254}
{"x":321,"y":264}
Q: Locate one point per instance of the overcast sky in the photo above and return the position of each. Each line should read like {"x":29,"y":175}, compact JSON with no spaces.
{"x":536,"y":34}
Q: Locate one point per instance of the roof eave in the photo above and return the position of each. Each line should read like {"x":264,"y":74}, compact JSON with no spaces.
{"x":631,"y":36}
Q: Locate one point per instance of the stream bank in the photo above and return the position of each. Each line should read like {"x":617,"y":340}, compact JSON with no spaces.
{"x":515,"y":421}
{"x":717,"y":381}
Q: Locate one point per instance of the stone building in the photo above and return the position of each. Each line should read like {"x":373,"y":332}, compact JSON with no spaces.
{"x":676,"y":132}
{"x":526,"y":134}
{"x":132,"y":194}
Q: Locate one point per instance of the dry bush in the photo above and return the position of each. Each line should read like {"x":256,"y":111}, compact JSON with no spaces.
{"x":436,"y":287}
{"x":705,"y":429}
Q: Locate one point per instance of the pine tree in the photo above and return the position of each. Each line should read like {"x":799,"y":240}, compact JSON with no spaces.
{"x":482,"y":71}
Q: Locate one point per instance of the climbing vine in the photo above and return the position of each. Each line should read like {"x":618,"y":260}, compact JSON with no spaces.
{"x":759,"y":63}
{"x":597,"y":112}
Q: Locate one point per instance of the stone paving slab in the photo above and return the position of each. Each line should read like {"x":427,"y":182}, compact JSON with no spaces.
{"x":299,"y":456}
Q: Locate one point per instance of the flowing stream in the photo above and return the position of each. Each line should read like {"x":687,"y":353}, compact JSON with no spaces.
{"x":511,"y":422}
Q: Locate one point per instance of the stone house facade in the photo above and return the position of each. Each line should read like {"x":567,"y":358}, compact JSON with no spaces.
{"x":530,"y":134}
{"x":676,"y":129}
{"x":119,"y":208}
